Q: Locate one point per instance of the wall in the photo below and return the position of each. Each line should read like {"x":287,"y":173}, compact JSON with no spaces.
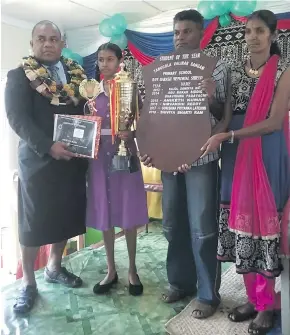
{"x":85,"y":41}
{"x":14,"y":45}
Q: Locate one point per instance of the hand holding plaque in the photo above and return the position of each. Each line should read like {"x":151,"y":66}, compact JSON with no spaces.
{"x":60,"y":150}
{"x":124,"y":111}
{"x":80,"y":134}
{"x":209,"y":86}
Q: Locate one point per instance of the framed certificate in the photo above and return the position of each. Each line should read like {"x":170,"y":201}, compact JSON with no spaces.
{"x":80,"y":132}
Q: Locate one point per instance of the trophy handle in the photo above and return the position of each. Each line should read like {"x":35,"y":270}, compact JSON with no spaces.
{"x":90,"y":106}
{"x":86,"y":108}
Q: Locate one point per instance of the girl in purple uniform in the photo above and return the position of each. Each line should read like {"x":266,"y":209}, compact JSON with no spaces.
{"x":115,"y":199}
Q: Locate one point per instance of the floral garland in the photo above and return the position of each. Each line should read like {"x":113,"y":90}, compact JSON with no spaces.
{"x":42,"y":82}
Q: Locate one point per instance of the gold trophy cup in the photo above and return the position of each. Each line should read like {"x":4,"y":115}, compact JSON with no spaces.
{"x":124,"y":111}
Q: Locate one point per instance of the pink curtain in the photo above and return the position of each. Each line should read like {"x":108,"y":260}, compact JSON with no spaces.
{"x":40,"y":262}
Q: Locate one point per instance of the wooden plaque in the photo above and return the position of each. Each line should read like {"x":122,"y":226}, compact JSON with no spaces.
{"x":175,"y":119}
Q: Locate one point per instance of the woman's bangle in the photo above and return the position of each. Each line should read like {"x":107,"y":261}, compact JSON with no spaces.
{"x":232,"y":138}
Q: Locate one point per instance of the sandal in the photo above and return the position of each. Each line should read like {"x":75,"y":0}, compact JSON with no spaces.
{"x":260,"y":330}
{"x":236,"y":316}
{"x":171,"y":296}
{"x":203,"y":310}
{"x":26,"y":299}
{"x":63,"y":277}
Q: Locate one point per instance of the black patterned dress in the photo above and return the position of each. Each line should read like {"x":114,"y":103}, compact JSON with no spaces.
{"x":252,"y":254}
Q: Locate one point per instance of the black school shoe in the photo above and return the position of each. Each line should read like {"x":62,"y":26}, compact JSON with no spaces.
{"x":136,"y":290}
{"x":105,"y":288}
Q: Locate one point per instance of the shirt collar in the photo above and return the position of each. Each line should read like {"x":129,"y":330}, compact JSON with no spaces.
{"x":102,"y":87}
{"x":57,"y":65}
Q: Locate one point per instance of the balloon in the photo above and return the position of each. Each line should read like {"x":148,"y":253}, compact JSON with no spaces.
{"x":229,"y":5}
{"x":120,"y":40}
{"x":204,"y":7}
{"x":244,"y":8}
{"x":225,"y":20}
{"x":77,"y":58}
{"x":219,"y":7}
{"x":105,"y":28}
{"x":66,"y":52}
{"x":118,"y":24}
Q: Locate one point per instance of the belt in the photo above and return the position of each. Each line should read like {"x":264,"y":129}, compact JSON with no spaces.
{"x":106,"y":131}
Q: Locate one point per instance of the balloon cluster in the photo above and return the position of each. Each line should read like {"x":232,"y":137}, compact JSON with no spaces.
{"x":222,"y":9}
{"x":115,"y":27}
{"x":68,"y":53}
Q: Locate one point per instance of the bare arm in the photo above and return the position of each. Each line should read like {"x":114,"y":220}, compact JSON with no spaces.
{"x":279,"y":109}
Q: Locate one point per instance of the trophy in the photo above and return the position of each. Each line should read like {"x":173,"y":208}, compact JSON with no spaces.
{"x":124,"y":111}
{"x":90,"y":89}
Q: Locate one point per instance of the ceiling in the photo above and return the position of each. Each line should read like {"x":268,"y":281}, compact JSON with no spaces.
{"x":71,"y":14}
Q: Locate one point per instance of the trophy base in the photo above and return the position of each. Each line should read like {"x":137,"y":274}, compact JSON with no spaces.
{"x":125,"y":164}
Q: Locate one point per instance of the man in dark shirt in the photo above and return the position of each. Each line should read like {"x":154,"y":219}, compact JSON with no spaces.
{"x":190,"y":196}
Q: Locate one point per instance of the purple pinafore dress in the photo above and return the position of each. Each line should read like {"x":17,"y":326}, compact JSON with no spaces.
{"x":114,"y":199}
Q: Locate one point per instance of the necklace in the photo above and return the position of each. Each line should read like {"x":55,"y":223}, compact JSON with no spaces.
{"x":253,"y":71}
{"x":42,"y":82}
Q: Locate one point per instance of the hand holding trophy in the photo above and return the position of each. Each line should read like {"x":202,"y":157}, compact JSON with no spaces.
{"x":90,"y":89}
{"x":124,"y":111}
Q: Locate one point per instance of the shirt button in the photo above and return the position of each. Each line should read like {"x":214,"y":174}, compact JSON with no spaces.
{"x":108,"y":154}
{"x":108,"y":104}
{"x":108,"y":115}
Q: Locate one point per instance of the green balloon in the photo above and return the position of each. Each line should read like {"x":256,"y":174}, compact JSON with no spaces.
{"x":225,"y":20}
{"x":244,"y":8}
{"x":76,"y":57}
{"x":120,"y":40}
{"x":219,"y":7}
{"x":105,"y":28}
{"x":66,"y":52}
{"x":118,"y":24}
{"x":229,"y":5}
{"x":205,"y":9}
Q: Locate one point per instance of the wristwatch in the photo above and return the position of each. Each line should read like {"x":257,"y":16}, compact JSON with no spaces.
{"x":232,"y":139}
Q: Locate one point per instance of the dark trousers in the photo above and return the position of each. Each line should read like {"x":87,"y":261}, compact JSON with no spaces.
{"x":190,"y":207}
